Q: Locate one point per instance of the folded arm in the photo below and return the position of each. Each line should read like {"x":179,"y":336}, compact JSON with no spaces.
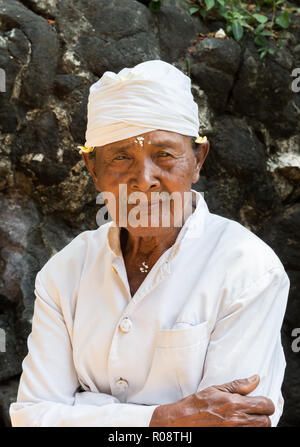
{"x":48,"y":391}
{"x":246,"y":339}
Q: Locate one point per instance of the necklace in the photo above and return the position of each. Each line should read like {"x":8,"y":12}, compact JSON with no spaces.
{"x":145,"y":267}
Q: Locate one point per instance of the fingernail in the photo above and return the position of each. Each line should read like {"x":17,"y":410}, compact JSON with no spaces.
{"x":253,"y":378}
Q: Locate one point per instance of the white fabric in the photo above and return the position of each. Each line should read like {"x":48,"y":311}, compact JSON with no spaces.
{"x":152,"y":95}
{"x":210,"y":311}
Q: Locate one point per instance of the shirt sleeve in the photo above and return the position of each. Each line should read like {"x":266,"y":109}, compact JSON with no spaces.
{"x":246,"y":339}
{"x":48,"y":390}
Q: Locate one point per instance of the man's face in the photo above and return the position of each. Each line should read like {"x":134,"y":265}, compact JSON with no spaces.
{"x":156,"y":161}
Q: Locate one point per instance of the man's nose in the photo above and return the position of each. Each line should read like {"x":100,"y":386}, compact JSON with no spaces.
{"x":145,"y":176}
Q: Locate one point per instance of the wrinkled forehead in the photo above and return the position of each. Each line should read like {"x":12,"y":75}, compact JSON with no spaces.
{"x":155,"y":137}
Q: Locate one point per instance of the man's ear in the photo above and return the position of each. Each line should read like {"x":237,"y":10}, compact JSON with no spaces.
{"x":200,"y":156}
{"x":90,"y":164}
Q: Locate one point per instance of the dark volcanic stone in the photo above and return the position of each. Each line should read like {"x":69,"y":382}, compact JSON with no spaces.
{"x":39,"y":75}
{"x":177,"y":29}
{"x":66,"y":83}
{"x":10,"y":362}
{"x":283,"y":233}
{"x":234,"y":149}
{"x":213,"y":66}
{"x":263,"y":92}
{"x":41,"y":139}
{"x":101,"y":55}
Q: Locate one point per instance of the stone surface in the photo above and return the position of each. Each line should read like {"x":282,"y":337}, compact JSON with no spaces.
{"x":45,"y":8}
{"x":213,"y":67}
{"x":235,"y":166}
{"x":8,"y":392}
{"x":39,"y":69}
{"x":282,"y":233}
{"x":176,"y":29}
{"x":52,"y":52}
{"x":8,"y":111}
{"x":263,"y":92}
{"x":10,"y":359}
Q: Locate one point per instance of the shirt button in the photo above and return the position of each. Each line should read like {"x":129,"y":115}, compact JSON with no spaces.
{"x":122,"y":384}
{"x":125,"y":325}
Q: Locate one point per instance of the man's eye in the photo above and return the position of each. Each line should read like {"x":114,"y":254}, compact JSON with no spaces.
{"x":121,"y":157}
{"x":164,"y":154}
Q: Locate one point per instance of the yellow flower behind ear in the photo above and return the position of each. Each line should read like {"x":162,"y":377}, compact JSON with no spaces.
{"x":85,"y":149}
{"x":201,"y":140}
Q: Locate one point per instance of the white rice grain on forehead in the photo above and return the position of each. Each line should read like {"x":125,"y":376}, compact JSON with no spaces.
{"x":140,"y":140}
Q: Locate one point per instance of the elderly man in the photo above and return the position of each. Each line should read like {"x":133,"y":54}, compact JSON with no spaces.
{"x":142,"y":324}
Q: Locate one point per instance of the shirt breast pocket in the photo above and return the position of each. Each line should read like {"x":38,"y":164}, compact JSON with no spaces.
{"x":182,"y":335}
{"x":178,"y":360}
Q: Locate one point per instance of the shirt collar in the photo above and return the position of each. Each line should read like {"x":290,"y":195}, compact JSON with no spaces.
{"x":192,"y":228}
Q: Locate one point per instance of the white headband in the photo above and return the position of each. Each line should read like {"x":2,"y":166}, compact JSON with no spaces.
{"x":150,"y":96}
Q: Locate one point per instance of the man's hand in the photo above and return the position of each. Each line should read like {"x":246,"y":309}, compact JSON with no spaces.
{"x":218,"y":406}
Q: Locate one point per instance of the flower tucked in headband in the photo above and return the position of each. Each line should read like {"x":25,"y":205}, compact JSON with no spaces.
{"x":201,"y":140}
{"x":85,"y":149}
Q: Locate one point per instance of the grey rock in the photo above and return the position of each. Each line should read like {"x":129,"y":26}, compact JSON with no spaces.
{"x":114,"y":19}
{"x":282,"y":232}
{"x":101,"y":55}
{"x":36,"y":150}
{"x":65,"y":83}
{"x":236,"y":172}
{"x":290,"y":388}
{"x":111,"y":32}
{"x":38,"y":77}
{"x":8,"y":395}
{"x":285,"y":167}
{"x":177,"y":29}
{"x":27,"y":241}
{"x":6,"y":173}
{"x":10,"y":360}
{"x":216,"y":84}
{"x":221,"y":54}
{"x":18,"y":45}
{"x":213,"y":66}
{"x":224,"y":196}
{"x":8,"y":110}
{"x":46,"y":8}
{"x":244,"y":154}
{"x":263,"y":92}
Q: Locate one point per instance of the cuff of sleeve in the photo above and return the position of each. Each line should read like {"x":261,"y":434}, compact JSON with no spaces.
{"x":98,"y":399}
{"x":129,"y":414}
{"x":144,"y":415}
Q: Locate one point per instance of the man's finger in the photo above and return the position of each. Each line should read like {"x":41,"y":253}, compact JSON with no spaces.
{"x":249,"y":420}
{"x":240,"y":386}
{"x":254,"y":404}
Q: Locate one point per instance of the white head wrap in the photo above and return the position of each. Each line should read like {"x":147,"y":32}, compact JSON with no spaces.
{"x":152,"y":95}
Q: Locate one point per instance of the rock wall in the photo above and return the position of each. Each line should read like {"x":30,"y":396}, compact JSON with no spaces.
{"x":51,"y":52}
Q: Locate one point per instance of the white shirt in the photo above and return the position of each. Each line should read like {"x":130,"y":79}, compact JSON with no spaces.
{"x":208,"y":312}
